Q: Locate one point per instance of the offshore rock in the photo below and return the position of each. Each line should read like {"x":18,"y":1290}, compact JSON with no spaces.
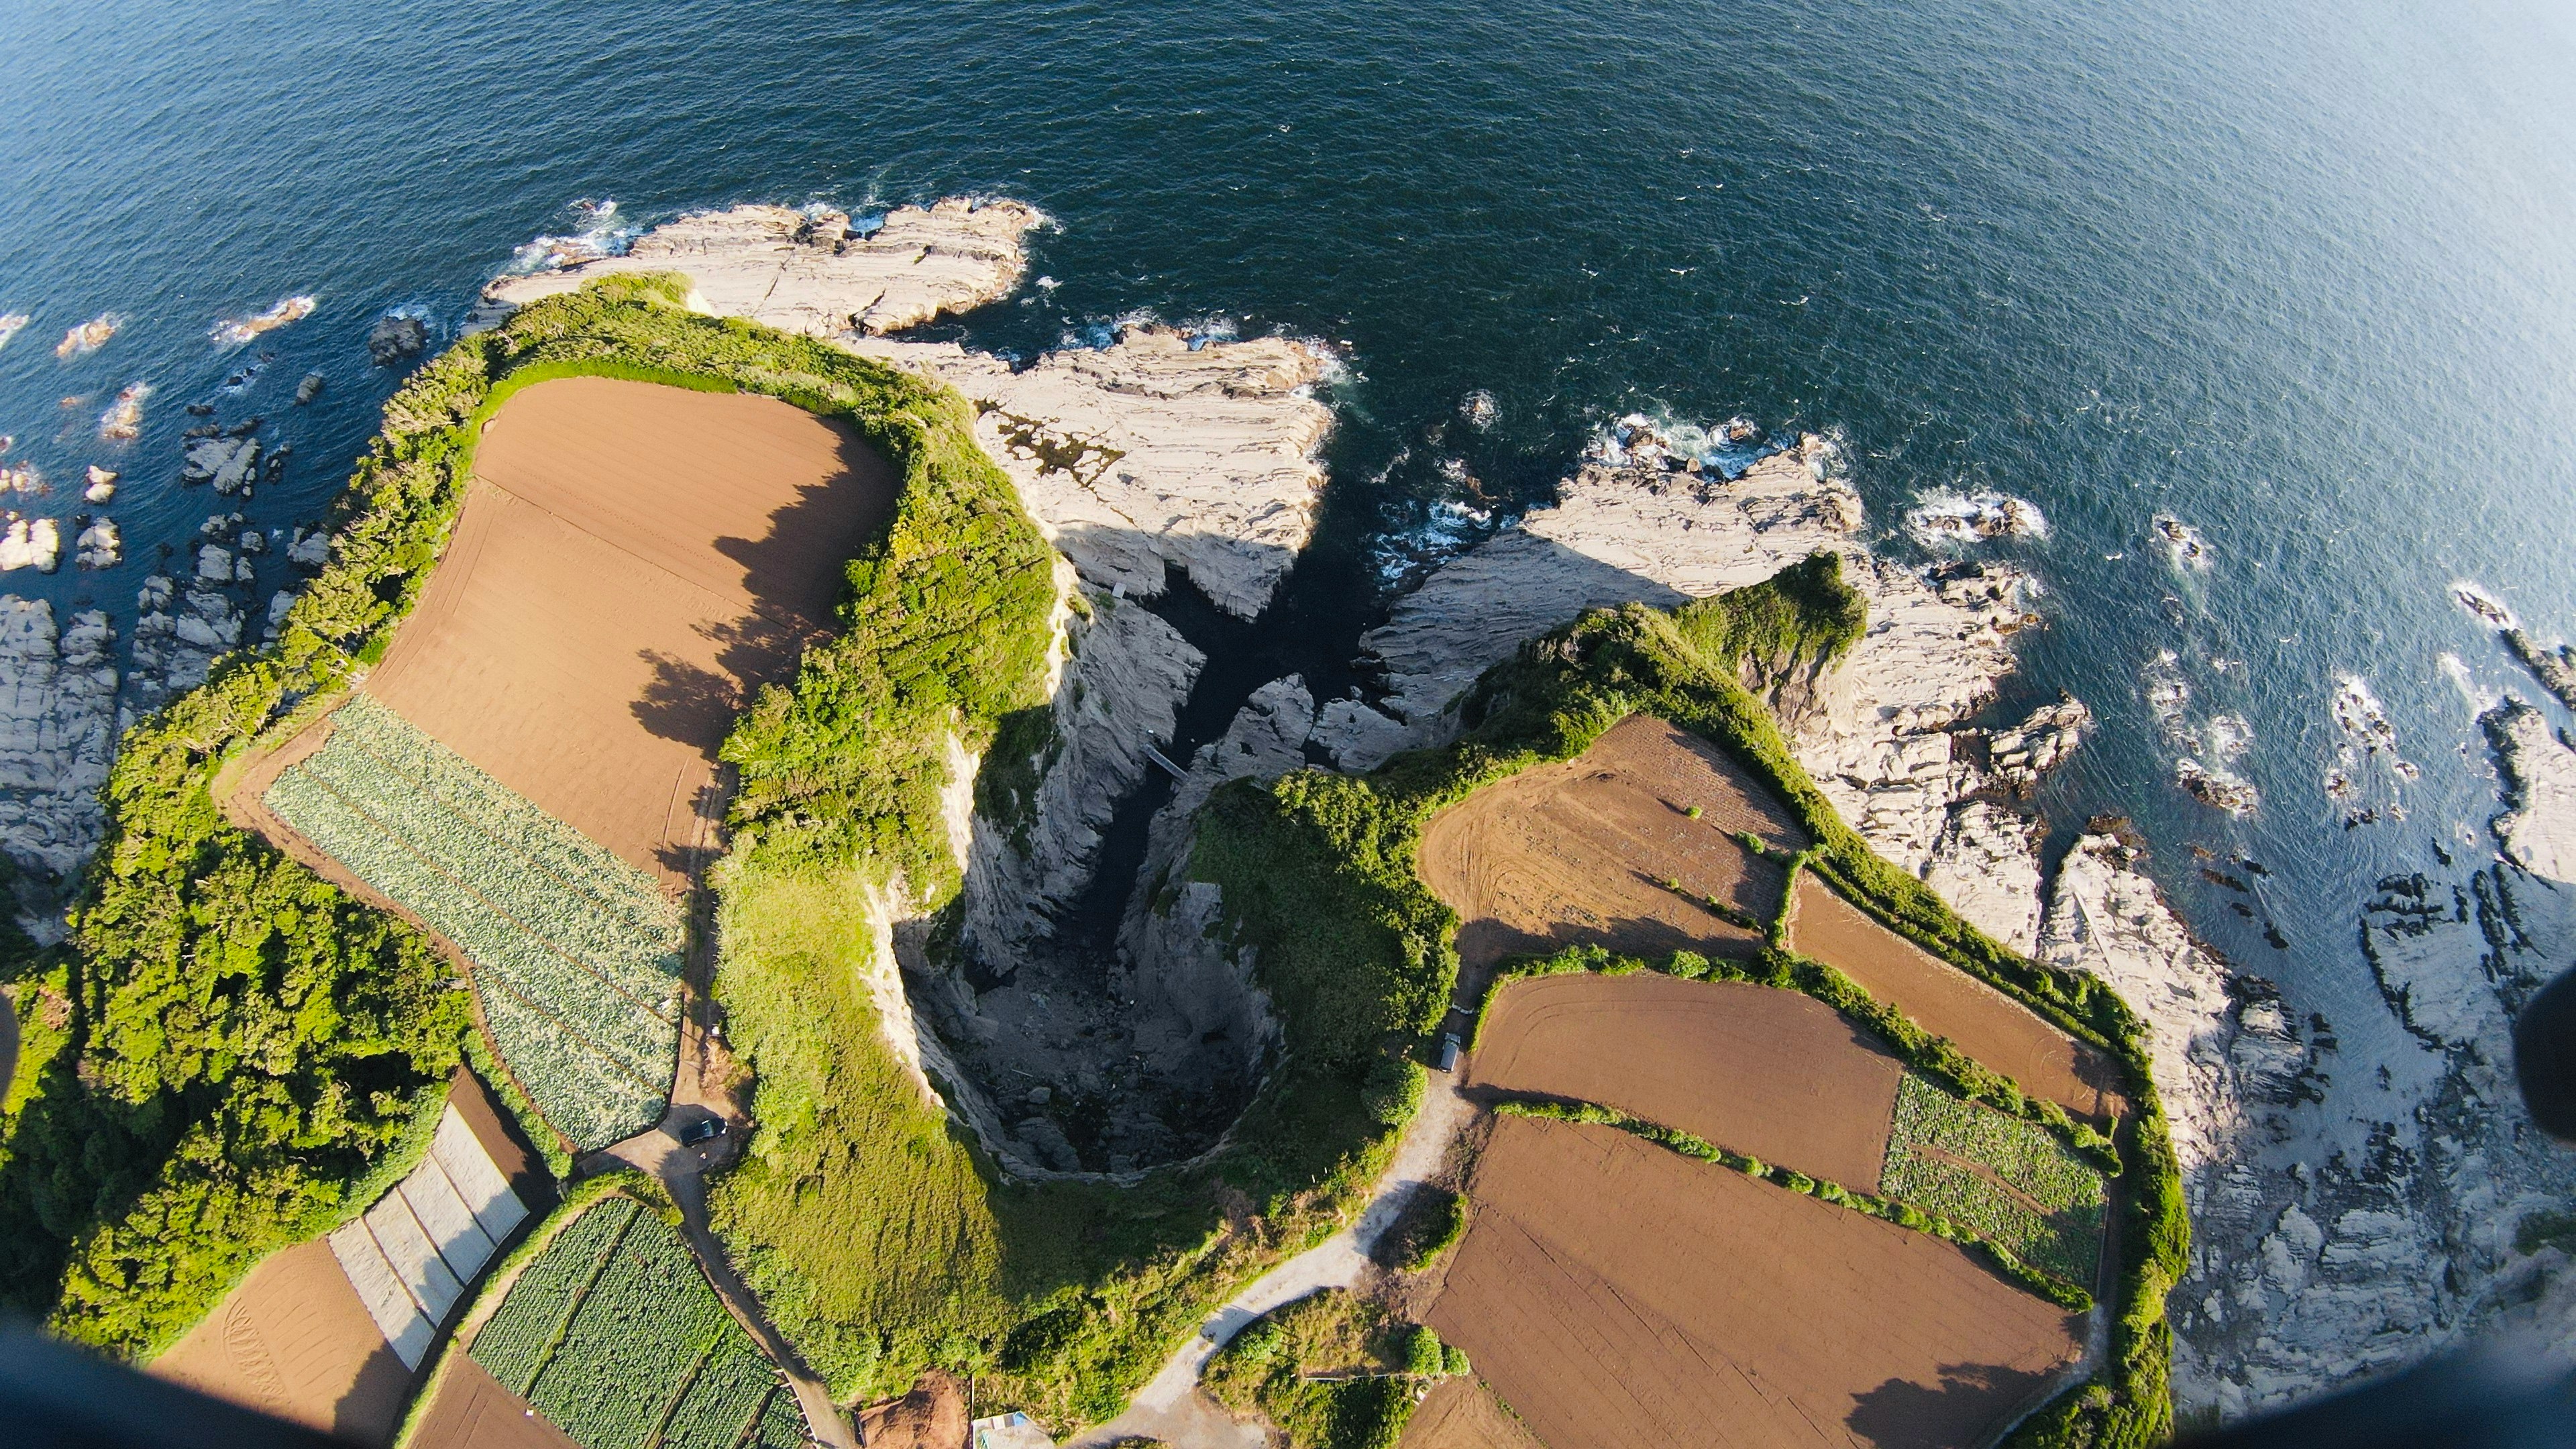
{"x":58,"y":731}
{"x":31,"y":543}
{"x":98,"y":546}
{"x":231,"y":464}
{"x":810,"y":272}
{"x":1154,"y":452}
{"x":2020,"y":755}
{"x":396,"y":337}
{"x":2539,"y":831}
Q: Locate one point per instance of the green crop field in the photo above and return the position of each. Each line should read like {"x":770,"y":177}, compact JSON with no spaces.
{"x":2064,"y":1239}
{"x":576,"y":953}
{"x":612,"y":1332}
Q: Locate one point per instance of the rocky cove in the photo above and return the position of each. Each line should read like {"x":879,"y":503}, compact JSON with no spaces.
{"x":2346,"y":1215}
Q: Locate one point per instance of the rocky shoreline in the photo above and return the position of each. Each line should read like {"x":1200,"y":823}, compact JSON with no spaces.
{"x":2346,"y":1218}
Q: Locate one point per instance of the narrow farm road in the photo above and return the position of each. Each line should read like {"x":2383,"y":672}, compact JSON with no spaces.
{"x":1170,"y":1406}
{"x":679,"y":1170}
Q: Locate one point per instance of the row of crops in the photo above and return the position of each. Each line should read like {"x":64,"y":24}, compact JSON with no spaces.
{"x":2052,"y":1216}
{"x":616,"y":1338}
{"x":576,"y":953}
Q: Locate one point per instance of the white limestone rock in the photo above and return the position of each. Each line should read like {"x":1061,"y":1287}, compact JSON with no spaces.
{"x":101,"y":485}
{"x":2018,"y":756}
{"x":230,"y":464}
{"x":177,"y":638}
{"x":308,"y":548}
{"x":809,"y":272}
{"x":1120,"y":687}
{"x":1985,"y":863}
{"x":31,"y":543}
{"x":2539,"y":832}
{"x":1161,"y":450}
{"x":99,"y":546}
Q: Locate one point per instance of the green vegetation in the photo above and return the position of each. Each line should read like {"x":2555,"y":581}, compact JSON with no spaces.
{"x":576,"y":953}
{"x":249,"y":1054}
{"x":616,"y":1337}
{"x":1909,"y":1043}
{"x":2047,"y":1210}
{"x":1432,"y":1224}
{"x":1276,"y":859}
{"x":1334,"y":1371}
{"x":1997,"y":1255}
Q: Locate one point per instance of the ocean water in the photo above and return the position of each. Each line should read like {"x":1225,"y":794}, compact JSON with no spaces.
{"x":2301,"y":276}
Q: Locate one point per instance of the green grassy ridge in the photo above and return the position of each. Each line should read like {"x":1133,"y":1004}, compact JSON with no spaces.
{"x":249,"y":1048}
{"x":2021,"y":1273}
{"x":1286,"y":895}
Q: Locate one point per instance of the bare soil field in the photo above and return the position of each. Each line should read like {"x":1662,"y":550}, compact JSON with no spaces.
{"x":1615,"y":1294}
{"x":1580,"y":851}
{"x":1461,"y":1413}
{"x":1770,"y":1073}
{"x":473,"y":1411}
{"x":1985,"y":1023}
{"x":632,"y":562}
{"x":294,"y":1340}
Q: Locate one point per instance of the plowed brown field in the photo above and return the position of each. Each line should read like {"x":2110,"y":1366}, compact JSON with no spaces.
{"x":1461,"y":1413}
{"x":1770,"y":1073}
{"x":1985,"y":1023}
{"x":293,"y":1340}
{"x":1615,"y":1294}
{"x":1580,"y":851}
{"x":473,"y":1411}
{"x":632,"y":561}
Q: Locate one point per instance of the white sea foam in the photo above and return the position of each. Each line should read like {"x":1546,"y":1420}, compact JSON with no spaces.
{"x":1480,"y":410}
{"x":89,"y":336}
{"x":1643,"y":440}
{"x":234,"y":331}
{"x":1943,"y":518}
{"x":601,"y":237}
{"x":2186,"y":547}
{"x":10,"y":323}
{"x":2480,"y":699}
{"x":123,"y":420}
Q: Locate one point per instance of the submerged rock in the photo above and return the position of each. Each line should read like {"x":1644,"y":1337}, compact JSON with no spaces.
{"x":308,"y":389}
{"x":396,"y":337}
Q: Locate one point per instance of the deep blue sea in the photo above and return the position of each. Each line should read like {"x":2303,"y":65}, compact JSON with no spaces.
{"x":2302,"y":275}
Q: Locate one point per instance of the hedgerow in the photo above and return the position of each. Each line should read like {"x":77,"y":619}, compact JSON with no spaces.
{"x":248,"y":1049}
{"x":1550,"y":702}
{"x":1922,"y":1218}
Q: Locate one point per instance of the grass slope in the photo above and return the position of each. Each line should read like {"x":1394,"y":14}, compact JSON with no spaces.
{"x":1318,"y":873}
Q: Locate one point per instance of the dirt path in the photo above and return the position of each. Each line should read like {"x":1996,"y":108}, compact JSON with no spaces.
{"x":681,"y":1170}
{"x":1171,"y":1407}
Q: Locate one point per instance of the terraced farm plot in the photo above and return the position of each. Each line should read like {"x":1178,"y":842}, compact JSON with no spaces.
{"x":1773,"y":1074}
{"x":1604,"y":849}
{"x":613,"y":1334}
{"x":1986,"y":1024}
{"x":633,"y":562}
{"x":576,"y":953}
{"x":1614,"y":1293}
{"x":2014,"y":1183}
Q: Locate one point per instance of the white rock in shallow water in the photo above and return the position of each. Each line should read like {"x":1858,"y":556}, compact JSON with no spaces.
{"x":2539,"y":832}
{"x":810,"y":273}
{"x":102,"y":485}
{"x":230,"y":464}
{"x":215,"y":563}
{"x":98,"y":547}
{"x":35,"y":543}
{"x":308,"y":548}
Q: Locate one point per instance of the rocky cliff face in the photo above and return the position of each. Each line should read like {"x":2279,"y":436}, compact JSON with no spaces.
{"x":57,"y":735}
